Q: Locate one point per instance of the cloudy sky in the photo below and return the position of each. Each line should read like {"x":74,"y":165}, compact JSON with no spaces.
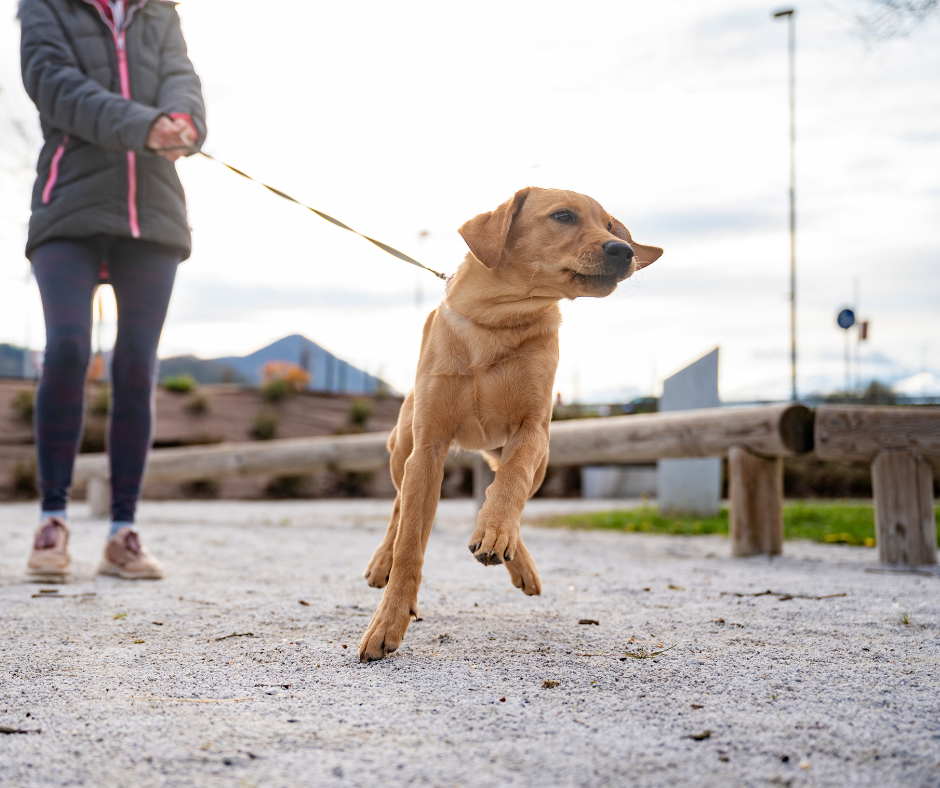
{"x":406,"y":119}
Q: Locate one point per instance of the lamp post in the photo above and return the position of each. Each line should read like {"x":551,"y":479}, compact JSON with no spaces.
{"x":789,"y":14}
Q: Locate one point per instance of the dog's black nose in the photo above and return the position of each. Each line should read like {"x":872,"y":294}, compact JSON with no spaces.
{"x":618,"y":252}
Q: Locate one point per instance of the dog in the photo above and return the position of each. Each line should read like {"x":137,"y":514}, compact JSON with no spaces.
{"x":484,"y":383}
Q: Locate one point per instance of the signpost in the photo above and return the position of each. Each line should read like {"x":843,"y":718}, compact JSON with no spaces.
{"x":788,"y":14}
{"x":846,"y":319}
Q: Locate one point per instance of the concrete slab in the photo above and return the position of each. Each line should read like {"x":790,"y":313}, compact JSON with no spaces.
{"x":754,"y":690}
{"x":691,"y":485}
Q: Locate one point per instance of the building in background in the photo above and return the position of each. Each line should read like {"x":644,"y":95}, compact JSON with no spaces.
{"x":20,"y":363}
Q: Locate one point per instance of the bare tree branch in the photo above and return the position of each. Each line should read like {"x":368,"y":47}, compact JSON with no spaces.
{"x":895,"y":18}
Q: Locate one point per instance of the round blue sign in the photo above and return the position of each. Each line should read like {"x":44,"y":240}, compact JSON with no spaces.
{"x":846,"y":319}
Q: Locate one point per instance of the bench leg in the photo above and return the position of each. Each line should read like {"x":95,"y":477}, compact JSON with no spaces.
{"x":755,"y":487}
{"x":99,"y":497}
{"x":904,"y":518}
{"x":482,"y":478}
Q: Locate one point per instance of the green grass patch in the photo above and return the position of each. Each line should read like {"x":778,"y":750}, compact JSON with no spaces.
{"x":834,"y":523}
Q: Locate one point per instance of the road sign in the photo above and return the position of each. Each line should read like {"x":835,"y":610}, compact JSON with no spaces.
{"x":846,"y":319}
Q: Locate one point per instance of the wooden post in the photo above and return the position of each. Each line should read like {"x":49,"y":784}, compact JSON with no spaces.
{"x":482,"y":478}
{"x":99,"y":497}
{"x":755,"y":489}
{"x":904,"y":518}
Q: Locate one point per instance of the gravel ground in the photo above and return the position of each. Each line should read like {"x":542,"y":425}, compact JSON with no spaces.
{"x":754,"y":689}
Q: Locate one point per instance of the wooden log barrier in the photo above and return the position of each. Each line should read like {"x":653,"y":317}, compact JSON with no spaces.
{"x":755,"y":489}
{"x":772,"y":431}
{"x":897,"y":442}
{"x":904,"y":520}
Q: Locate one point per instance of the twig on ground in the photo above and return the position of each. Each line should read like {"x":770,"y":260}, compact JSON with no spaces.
{"x":285,"y":686}
{"x":593,"y":621}
{"x":237,"y":635}
{"x":8,"y":729}
{"x":646,"y":654}
{"x":56,"y":595}
{"x":195,"y":700}
{"x":783,"y":596}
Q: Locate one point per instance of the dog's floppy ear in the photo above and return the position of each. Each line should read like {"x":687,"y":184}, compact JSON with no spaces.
{"x":645,"y":255}
{"x":486,"y":234}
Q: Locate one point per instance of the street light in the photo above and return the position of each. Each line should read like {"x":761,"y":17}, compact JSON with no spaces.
{"x":790,"y":14}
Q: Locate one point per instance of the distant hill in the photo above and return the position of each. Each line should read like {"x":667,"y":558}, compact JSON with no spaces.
{"x":327,"y":372}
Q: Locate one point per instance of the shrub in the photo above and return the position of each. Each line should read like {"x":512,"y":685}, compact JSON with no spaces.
{"x":201,"y":488}
{"x":101,"y":404}
{"x":24,"y":406}
{"x":198,"y":405}
{"x":293,"y":486}
{"x":24,"y":481}
{"x":353,"y":484}
{"x":281,"y":378}
{"x":180,"y":384}
{"x":360,"y":411}
{"x":275,"y":390}
{"x":94,"y":438}
{"x":265,"y":426}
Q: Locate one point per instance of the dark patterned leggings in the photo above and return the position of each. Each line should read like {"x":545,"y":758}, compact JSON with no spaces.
{"x":68,"y":271}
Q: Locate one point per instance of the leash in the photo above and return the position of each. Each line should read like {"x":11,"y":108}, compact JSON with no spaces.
{"x":383,"y":246}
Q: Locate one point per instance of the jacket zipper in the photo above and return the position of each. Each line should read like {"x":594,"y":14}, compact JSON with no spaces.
{"x":120,"y":45}
{"x":54,"y":170}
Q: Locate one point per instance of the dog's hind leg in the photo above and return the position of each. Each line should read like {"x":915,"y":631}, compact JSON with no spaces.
{"x":400,"y":444}
{"x":523,"y":572}
{"x":522,"y":569}
{"x":380,"y":565}
{"x":539,"y":475}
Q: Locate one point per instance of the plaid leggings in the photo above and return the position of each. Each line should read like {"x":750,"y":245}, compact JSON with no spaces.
{"x":68,"y":271}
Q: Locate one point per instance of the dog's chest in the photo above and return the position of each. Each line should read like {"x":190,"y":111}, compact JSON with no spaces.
{"x":497,"y":396}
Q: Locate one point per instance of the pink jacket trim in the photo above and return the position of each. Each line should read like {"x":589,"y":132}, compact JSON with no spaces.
{"x":54,"y":170}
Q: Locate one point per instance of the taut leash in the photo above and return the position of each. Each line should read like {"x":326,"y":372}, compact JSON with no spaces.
{"x":383,"y":246}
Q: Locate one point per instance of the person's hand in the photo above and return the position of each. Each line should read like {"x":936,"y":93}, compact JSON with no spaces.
{"x":170,"y":138}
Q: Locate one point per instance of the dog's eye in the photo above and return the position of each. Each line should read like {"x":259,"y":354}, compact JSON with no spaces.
{"x":563,"y":216}
{"x":610,"y":226}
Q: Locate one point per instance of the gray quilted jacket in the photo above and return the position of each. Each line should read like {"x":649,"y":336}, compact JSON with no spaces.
{"x":98,"y":89}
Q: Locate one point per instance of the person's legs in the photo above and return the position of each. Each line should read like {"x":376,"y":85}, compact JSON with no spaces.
{"x":67,"y":274}
{"x":142,"y":275}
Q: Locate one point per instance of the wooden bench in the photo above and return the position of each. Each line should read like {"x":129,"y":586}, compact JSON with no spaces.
{"x":897,"y":442}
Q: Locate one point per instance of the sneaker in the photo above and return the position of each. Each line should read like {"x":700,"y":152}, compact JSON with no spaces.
{"x":126,"y":557}
{"x":50,"y":554}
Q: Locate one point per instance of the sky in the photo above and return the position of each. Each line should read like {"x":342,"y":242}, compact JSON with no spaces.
{"x":404,"y":120}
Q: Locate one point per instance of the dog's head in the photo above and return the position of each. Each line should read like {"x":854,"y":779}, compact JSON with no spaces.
{"x":563,"y":243}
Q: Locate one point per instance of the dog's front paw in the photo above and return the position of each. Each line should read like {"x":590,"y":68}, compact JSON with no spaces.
{"x":386,"y":631}
{"x":491,"y":544}
{"x":523,"y":573}
{"x":379,"y":568}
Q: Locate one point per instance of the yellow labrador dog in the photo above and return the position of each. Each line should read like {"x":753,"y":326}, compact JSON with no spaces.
{"x":484,"y":383}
